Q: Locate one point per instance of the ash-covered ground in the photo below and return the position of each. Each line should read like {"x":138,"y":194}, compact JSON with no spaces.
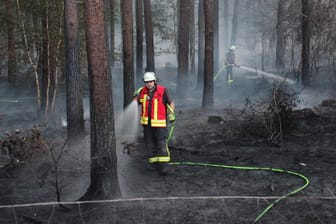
{"x":229,"y":134}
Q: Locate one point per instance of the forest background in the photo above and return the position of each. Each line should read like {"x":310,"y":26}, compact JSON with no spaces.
{"x":50,"y":48}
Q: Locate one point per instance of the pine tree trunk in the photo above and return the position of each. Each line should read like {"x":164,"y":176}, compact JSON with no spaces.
{"x":139,"y":41}
{"x":226,"y":32}
{"x":128,"y":56}
{"x":74,"y":102}
{"x":104,"y":179}
{"x":280,"y":41}
{"x":149,"y":36}
{"x":112,"y":33}
{"x":200,"y":70}
{"x":306,"y":34}
{"x":234,"y":23}
{"x":208,"y":89}
{"x":192,"y":70}
{"x":183,"y":48}
{"x":10,"y":12}
{"x":216,"y":35}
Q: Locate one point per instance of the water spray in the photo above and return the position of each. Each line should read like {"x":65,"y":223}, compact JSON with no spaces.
{"x":269,"y":75}
{"x":9,"y":101}
{"x":127,"y":122}
{"x":16,"y":100}
{"x":259,"y":74}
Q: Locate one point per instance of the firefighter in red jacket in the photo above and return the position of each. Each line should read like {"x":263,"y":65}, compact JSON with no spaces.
{"x":156,"y":105}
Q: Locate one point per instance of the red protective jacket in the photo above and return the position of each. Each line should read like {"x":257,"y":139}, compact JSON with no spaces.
{"x":155,"y":105}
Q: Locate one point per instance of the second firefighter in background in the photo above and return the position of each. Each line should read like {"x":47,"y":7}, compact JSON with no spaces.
{"x":230,"y":61}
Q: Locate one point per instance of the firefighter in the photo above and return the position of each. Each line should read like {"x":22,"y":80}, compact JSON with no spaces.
{"x":156,"y":105}
{"x":230,"y":62}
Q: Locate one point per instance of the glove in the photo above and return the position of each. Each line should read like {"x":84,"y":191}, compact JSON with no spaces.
{"x":137,"y":92}
{"x":172,"y":117}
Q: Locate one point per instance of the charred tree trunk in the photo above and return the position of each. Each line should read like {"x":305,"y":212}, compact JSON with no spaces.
{"x":226,"y":37}
{"x":216,"y":35}
{"x":177,"y":19}
{"x":306,"y":35}
{"x":192,"y":40}
{"x":280,"y":40}
{"x":10,"y":13}
{"x":128,"y":62}
{"x":183,"y":48}
{"x":45,"y":75}
{"x":112,"y":33}
{"x":263,"y":34}
{"x":74,"y":102}
{"x":104,"y":179}
{"x":149,"y":36}
{"x":234,"y":23}
{"x":139,"y":41}
{"x":200,"y":71}
{"x":208,"y":90}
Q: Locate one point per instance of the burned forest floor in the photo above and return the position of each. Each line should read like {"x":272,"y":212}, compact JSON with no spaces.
{"x":214,"y":175}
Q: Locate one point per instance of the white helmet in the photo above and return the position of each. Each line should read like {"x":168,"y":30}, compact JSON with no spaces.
{"x":149,"y":76}
{"x":232,"y":48}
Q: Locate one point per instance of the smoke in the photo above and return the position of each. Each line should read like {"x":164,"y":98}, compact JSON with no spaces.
{"x":310,"y":98}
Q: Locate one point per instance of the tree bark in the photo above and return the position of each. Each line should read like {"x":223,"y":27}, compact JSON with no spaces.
{"x":263,"y":34}
{"x":108,"y":20}
{"x":280,"y":40}
{"x":208,"y":90}
{"x":183,"y":48}
{"x":139,"y":41}
{"x":216,"y":35}
{"x":226,"y":37}
{"x":74,"y":102}
{"x":306,"y":35}
{"x":10,"y":12}
{"x":44,"y":63}
{"x":104,"y":179}
{"x":234,"y":23}
{"x":192,"y":70}
{"x":128,"y":57}
{"x":149,"y":36}
{"x":112,"y":33}
{"x":200,"y":69}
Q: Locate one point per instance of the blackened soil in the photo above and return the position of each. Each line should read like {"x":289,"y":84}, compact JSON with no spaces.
{"x":191,"y":193}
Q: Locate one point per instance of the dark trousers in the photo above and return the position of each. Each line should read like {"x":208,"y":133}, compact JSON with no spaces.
{"x":229,"y":75}
{"x":155,"y":139}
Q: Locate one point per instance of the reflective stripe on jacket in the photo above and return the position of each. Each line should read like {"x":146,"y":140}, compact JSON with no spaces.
{"x":158,"y":109}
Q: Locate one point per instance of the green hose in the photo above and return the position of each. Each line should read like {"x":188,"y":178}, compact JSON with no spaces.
{"x":171,"y":131}
{"x":247,"y":168}
{"x":219,"y":71}
{"x":255,"y":168}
